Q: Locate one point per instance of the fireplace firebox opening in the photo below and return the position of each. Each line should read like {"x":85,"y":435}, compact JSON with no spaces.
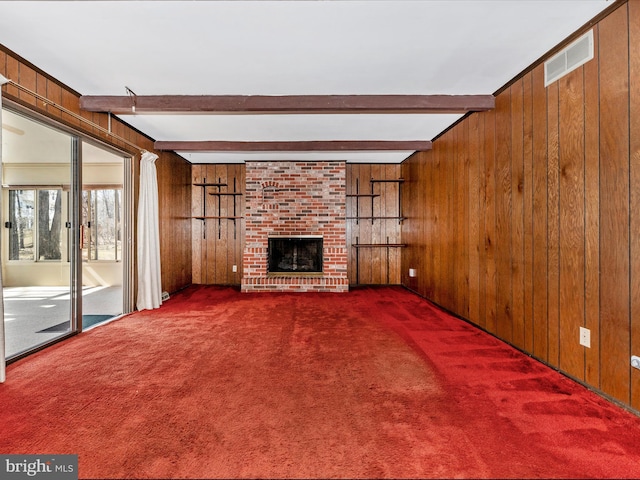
{"x":295,"y":255}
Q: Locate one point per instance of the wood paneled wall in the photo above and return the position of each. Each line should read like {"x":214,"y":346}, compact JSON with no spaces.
{"x":174,"y":196}
{"x":525,"y":220}
{"x":173,"y":171}
{"x":218,"y":243}
{"x":373,"y":265}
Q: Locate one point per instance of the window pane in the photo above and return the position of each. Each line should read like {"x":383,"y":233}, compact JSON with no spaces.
{"x":88,"y":247}
{"x":49,"y":224}
{"x":107,"y":206}
{"x":21,"y":216}
{"x":101,"y":238}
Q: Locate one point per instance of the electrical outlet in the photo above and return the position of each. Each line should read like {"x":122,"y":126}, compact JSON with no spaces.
{"x":234,"y":268}
{"x":585,"y":337}
{"x":635,"y":361}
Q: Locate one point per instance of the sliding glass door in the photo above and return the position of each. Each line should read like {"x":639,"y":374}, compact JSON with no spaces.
{"x":66,"y":219}
{"x":37,"y":255}
{"x":102,"y":234}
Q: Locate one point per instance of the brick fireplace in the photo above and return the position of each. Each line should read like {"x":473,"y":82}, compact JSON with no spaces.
{"x":295,"y":199}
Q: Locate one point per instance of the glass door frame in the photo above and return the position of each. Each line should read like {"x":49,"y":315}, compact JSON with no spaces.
{"x":75,"y":219}
{"x":75,"y":252}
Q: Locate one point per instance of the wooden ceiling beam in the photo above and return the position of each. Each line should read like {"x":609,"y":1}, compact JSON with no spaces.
{"x":297,"y":146}
{"x":264,"y":104}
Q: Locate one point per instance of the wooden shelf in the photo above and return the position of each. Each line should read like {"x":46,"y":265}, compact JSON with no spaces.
{"x":219,"y":217}
{"x":372,"y":195}
{"x":397,"y":180}
{"x":379,"y":245}
{"x":386,"y":210}
{"x":376,"y":218}
{"x":210,"y":184}
{"x":386,"y":246}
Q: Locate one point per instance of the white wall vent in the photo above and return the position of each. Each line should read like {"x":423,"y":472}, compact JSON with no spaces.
{"x":576,"y":54}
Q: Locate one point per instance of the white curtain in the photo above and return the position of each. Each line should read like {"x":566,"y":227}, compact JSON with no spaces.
{"x":3,"y":362}
{"x":148,"y":244}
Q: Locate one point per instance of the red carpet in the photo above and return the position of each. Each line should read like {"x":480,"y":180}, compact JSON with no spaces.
{"x":374,"y":383}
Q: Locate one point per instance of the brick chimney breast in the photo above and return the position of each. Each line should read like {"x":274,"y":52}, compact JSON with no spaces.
{"x":295,"y":199}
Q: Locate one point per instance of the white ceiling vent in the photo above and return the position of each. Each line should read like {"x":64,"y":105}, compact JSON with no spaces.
{"x":576,"y":54}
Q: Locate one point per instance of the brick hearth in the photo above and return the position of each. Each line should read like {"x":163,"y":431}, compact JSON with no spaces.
{"x":293,"y":199}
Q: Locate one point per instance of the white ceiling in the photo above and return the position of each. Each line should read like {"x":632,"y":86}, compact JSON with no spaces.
{"x":330,"y":47}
